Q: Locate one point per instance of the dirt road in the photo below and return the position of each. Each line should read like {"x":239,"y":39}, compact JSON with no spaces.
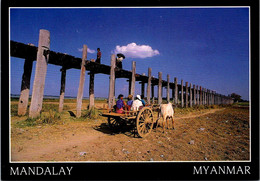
{"x":215,"y":135}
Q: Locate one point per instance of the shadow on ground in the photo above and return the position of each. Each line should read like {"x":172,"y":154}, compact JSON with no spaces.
{"x":127,"y":130}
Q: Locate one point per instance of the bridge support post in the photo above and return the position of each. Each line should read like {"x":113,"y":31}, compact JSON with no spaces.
{"x":190,"y":95}
{"x":205,"y":90}
{"x":208,"y":97}
{"x":25,"y":87}
{"x":129,"y":87}
{"x":194,"y":96}
{"x":111,"y":94}
{"x":152,"y":93}
{"x":203,"y":96}
{"x":173,"y":93}
{"x":213,"y":94}
{"x":186,"y":94}
{"x":133,"y":79}
{"x":62,"y":89}
{"x":40,"y":73}
{"x":91,"y":90}
{"x":197,"y":94}
{"x":142,"y":89}
{"x":160,"y":88}
{"x":81,"y":81}
{"x":200,"y":95}
{"x":182,"y":101}
{"x":210,"y":94}
{"x":168,"y":88}
{"x":212,"y":97}
{"x":176,"y":90}
{"x":148,"y":90}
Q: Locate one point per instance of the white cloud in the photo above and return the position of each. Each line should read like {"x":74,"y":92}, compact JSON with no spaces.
{"x":132,"y":50}
{"x":88,"y":50}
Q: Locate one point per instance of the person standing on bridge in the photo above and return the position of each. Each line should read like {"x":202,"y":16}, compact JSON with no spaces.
{"x":119,"y":59}
{"x":98,"y":60}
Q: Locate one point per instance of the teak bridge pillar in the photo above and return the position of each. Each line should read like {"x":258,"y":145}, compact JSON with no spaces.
{"x":81,"y":81}
{"x":197,"y":94}
{"x":186,"y":94}
{"x":111,"y":94}
{"x":182,"y":101}
{"x":91,"y":90}
{"x":194,"y":94}
{"x":142,"y":89}
{"x":190,"y":95}
{"x":132,"y":92}
{"x":200,"y":95}
{"x":40,"y":73}
{"x":153,"y":94}
{"x":160,"y":88}
{"x":175,"y":91}
{"x":25,"y":87}
{"x":168,"y":88}
{"x":148,"y":93}
{"x":62,"y":89}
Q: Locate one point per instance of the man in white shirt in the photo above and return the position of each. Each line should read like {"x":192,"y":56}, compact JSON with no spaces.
{"x":137,"y":103}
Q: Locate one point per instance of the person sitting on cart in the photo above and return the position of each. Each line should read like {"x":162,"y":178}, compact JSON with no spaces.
{"x":137,"y":104}
{"x":130,"y":101}
{"x":142,"y":100}
{"x":120,"y":105}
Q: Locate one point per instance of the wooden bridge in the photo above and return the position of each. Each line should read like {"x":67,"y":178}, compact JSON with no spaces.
{"x":182,"y":95}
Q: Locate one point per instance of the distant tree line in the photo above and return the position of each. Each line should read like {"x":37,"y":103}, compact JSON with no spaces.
{"x":237,"y":98}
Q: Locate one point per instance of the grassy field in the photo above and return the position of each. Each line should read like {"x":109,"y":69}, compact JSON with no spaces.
{"x":242,"y":103}
{"x":50,"y":109}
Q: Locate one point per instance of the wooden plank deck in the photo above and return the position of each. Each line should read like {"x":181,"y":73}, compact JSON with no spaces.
{"x":113,"y":114}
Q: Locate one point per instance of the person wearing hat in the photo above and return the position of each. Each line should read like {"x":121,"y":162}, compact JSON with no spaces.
{"x":137,"y":103}
{"x":130,"y":101}
{"x":119,"y":59}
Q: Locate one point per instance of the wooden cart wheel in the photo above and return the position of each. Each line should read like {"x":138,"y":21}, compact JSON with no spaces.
{"x":113,"y":122}
{"x":144,"y":121}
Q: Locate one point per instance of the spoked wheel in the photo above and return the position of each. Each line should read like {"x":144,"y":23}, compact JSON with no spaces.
{"x":113,"y":123}
{"x":144,"y":121}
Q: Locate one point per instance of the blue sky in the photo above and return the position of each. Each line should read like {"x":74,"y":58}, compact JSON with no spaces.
{"x":208,"y":47}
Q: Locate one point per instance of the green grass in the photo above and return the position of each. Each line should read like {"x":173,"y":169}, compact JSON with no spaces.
{"x":92,"y":113}
{"x":242,"y":103}
{"x":45,"y":108}
{"x":29,"y":122}
{"x":14,"y":109}
{"x":50,"y":117}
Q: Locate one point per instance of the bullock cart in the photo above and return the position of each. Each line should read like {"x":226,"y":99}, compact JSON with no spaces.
{"x":142,"y":120}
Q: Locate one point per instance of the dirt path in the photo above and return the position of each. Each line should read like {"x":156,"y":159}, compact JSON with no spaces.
{"x":192,"y":115}
{"x":198,"y":136}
